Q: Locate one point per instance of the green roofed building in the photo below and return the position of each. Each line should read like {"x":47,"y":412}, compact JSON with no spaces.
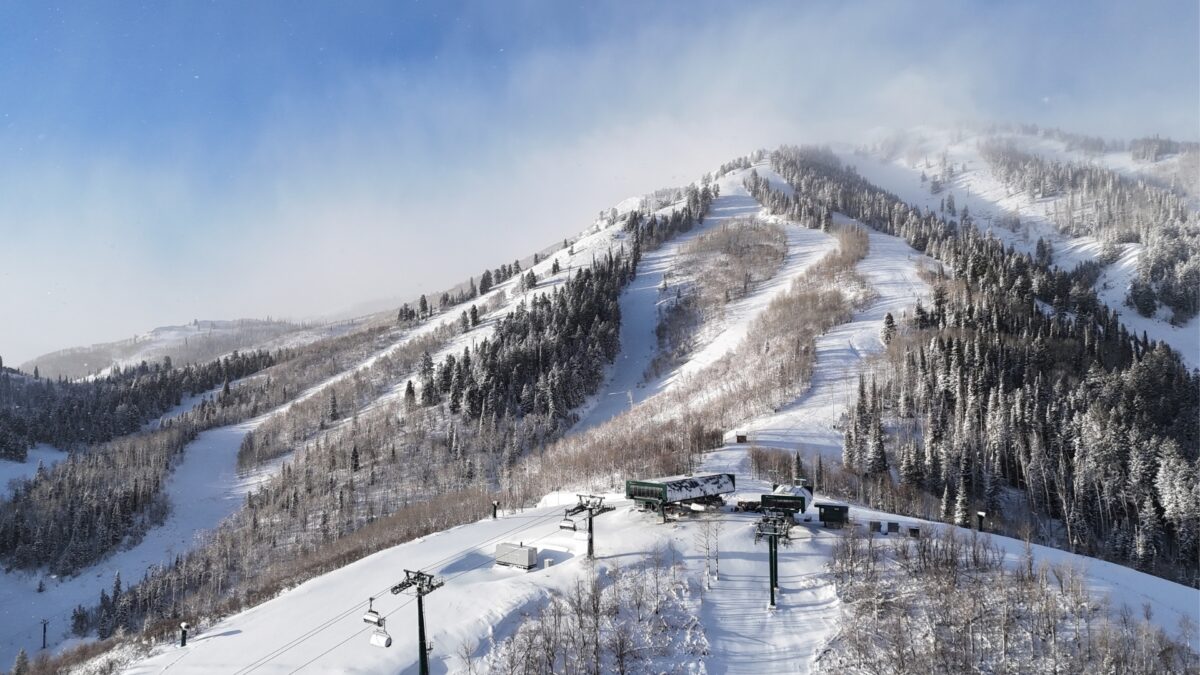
{"x":658,"y":493}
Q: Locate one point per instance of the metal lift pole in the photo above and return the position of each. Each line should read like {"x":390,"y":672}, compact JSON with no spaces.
{"x":773,"y":526}
{"x":771,"y":557}
{"x":423,"y":584}
{"x":591,"y":536}
{"x":421,"y":633}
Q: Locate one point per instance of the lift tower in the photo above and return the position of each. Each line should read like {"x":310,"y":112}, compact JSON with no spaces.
{"x":423,"y":584}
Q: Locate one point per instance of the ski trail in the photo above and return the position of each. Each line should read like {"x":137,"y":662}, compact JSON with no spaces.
{"x":807,"y":612}
{"x":891,"y":268}
{"x":639,"y":311}
{"x":640,"y":301}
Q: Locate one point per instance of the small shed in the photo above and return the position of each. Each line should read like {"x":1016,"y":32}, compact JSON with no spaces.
{"x":701,"y":488}
{"x":833,"y":514}
{"x":790,"y":499}
{"x":516,"y":555}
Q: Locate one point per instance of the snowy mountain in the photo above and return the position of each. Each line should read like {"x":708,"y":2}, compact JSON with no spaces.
{"x":194,"y":342}
{"x":906,"y":163}
{"x":381,"y":449}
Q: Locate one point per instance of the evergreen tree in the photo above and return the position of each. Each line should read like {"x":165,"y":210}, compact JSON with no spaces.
{"x":1149,"y":529}
{"x":876,"y":460}
{"x":962,"y":514}
{"x":889,"y":329}
{"x":79,"y":621}
{"x":21,"y":664}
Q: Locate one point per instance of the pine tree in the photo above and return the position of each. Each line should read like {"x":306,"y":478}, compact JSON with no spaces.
{"x":1149,"y":530}
{"x":911,"y":467}
{"x":410,"y":395}
{"x":354,"y":458}
{"x":850,"y":441}
{"x":962,"y":515}
{"x":333,"y":405}
{"x":21,"y":665}
{"x":889,"y":329}
{"x":876,"y":462}
{"x":79,"y":621}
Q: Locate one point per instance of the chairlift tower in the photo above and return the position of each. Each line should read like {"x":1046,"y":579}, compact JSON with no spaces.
{"x":423,"y":584}
{"x":593,"y":505}
{"x":773,"y":527}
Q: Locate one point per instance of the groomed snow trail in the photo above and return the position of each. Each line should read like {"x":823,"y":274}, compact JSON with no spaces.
{"x":317,"y":626}
{"x":203,"y":490}
{"x":640,"y":301}
{"x":639,"y":316}
{"x":891,"y":268}
{"x":746,"y":636}
{"x":804,"y":248}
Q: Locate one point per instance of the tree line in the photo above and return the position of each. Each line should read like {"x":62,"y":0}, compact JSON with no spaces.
{"x":71,"y":415}
{"x":1006,"y":384}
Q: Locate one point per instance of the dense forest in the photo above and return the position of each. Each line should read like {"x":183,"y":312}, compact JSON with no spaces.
{"x":1018,"y":379}
{"x":73,"y":414}
{"x":78,"y":511}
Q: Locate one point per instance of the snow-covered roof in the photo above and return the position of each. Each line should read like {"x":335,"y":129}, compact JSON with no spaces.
{"x":793,"y":491}
{"x":692,"y":487}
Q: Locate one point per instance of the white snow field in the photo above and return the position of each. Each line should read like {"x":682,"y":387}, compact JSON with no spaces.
{"x":317,"y":626}
{"x":988,"y":199}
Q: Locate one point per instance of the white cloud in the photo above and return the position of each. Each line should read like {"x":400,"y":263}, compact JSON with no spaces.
{"x":396,"y":181}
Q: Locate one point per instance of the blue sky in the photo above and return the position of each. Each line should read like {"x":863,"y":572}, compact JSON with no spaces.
{"x":170,"y":161}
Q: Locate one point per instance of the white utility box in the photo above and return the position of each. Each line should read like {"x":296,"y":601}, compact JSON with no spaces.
{"x":516,"y":555}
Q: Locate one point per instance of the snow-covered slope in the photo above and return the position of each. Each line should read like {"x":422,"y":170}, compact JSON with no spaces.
{"x":207,"y":486}
{"x":642,"y":300}
{"x":990,"y":201}
{"x":317,"y":626}
{"x":190,"y":343}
